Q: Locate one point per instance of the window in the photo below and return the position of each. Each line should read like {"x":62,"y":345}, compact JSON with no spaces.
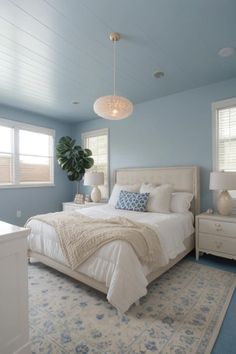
{"x":97,"y":142}
{"x":26,"y":154}
{"x":224,"y":143}
{"x":6,"y":155}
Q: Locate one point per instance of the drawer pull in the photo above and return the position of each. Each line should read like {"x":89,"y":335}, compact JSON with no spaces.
{"x":218,"y":244}
{"x":218,"y":227}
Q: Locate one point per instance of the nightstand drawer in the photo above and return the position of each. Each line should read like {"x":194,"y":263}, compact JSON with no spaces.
{"x":217,"y":243}
{"x":217,"y":227}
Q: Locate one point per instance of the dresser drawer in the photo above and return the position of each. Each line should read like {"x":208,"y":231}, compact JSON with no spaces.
{"x":217,"y":243}
{"x":217,"y":227}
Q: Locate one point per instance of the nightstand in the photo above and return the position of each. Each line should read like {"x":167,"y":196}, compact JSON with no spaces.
{"x":216,"y":234}
{"x":70,"y":206}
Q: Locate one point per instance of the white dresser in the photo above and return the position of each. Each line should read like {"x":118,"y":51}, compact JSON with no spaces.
{"x":14,"y":329}
{"x":216,"y":234}
{"x":72,"y":206}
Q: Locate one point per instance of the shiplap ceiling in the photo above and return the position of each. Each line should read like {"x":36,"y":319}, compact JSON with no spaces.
{"x":53,"y":52}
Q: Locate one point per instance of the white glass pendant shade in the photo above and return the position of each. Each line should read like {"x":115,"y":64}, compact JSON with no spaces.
{"x":113,"y":107}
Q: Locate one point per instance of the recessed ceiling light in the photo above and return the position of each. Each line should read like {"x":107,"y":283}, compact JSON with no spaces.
{"x":75,"y":102}
{"x":158,"y":74}
{"x":226,"y":52}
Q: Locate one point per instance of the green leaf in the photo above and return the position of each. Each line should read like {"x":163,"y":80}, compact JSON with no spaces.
{"x":88,"y":162}
{"x":88,"y":152}
{"x":73,"y":158}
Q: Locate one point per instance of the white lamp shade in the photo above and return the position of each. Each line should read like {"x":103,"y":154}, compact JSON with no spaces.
{"x":113,"y":107}
{"x":94,"y":178}
{"x":223,"y":181}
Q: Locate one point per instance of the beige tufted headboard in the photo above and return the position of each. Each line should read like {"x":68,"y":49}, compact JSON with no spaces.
{"x":184,"y":179}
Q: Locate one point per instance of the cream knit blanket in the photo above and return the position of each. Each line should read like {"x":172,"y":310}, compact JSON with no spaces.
{"x":80,"y":236}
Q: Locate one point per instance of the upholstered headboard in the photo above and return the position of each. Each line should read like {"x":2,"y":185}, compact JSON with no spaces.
{"x":183,"y":179}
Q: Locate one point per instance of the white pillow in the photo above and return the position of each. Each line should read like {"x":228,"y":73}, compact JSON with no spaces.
{"x":116,"y":191}
{"x":181,"y":202}
{"x":159,"y":198}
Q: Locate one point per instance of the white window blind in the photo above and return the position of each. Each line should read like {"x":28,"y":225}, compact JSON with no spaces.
{"x":35,"y":157}
{"x":97,"y":142}
{"x":226,"y":139}
{"x":6,"y":155}
{"x":26,"y":154}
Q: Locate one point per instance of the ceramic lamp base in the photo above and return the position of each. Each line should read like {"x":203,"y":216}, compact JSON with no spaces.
{"x":96,"y":195}
{"x":224,"y":203}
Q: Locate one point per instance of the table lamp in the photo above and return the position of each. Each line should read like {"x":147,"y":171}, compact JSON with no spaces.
{"x":94,"y":179}
{"x":223,"y":181}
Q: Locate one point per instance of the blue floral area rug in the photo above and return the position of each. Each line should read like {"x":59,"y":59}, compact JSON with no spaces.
{"x":181,"y":314}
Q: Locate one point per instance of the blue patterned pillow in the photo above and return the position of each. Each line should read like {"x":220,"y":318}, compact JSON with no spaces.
{"x":132,"y":201}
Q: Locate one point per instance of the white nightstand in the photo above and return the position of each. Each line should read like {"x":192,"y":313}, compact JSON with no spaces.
{"x":70,"y":206}
{"x":216,"y":234}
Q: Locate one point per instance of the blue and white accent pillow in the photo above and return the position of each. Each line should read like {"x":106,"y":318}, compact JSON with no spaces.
{"x":132,"y":201}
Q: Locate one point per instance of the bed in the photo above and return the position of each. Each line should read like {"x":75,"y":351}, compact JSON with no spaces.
{"x":115,"y":269}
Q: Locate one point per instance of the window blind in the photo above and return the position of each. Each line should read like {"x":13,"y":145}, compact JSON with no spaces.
{"x":35,"y":157}
{"x":226,"y":140}
{"x":26,"y":154}
{"x":97,"y":142}
{"x":6,"y":155}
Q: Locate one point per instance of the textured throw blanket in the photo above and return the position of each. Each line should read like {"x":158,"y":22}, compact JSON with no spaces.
{"x":80,"y":236}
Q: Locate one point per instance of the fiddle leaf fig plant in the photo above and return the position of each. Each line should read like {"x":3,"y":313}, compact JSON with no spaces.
{"x":73,"y":158}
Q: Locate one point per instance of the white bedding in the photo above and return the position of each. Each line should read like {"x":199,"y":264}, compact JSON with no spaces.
{"x":116,"y":263}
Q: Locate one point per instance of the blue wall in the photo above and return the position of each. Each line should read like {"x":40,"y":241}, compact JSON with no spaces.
{"x":170,"y":131}
{"x":173,"y":130}
{"x":35,"y":200}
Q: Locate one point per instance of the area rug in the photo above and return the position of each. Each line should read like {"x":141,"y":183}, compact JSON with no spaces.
{"x":181,"y":314}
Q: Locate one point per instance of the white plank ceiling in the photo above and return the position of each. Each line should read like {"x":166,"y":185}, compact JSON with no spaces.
{"x":53,"y":52}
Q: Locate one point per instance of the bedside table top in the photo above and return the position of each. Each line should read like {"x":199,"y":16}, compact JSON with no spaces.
{"x":84,"y":205}
{"x":216,"y":216}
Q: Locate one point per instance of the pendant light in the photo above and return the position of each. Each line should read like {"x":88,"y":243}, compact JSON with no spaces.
{"x":113,"y":107}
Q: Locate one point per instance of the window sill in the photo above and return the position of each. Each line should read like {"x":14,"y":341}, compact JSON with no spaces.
{"x":37,"y":185}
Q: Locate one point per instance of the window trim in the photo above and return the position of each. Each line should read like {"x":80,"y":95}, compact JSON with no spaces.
{"x":231,"y":102}
{"x":16,"y":125}
{"x":227,"y":103}
{"x":98,"y":132}
{"x":92,"y":133}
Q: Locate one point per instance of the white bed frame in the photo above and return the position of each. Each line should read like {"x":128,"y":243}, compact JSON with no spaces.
{"x":184,"y":179}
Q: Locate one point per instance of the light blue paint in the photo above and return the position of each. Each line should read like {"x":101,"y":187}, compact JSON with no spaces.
{"x":34,"y":200}
{"x":171,"y":131}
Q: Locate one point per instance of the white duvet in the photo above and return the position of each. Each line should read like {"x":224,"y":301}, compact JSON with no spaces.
{"x":116,"y":263}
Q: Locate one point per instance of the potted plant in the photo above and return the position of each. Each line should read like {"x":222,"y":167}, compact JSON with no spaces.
{"x":73,"y":159}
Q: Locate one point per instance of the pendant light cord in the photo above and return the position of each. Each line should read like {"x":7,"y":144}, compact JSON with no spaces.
{"x":114,"y":68}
